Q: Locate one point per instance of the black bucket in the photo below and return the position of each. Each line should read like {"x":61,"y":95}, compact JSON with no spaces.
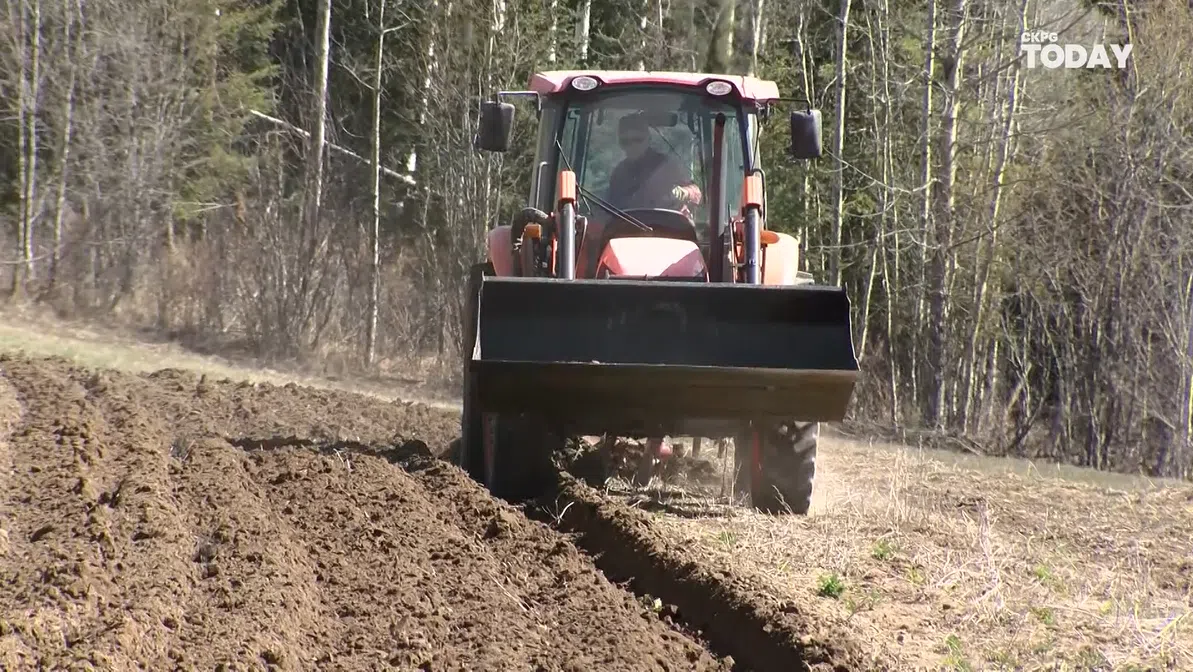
{"x":597,"y":354}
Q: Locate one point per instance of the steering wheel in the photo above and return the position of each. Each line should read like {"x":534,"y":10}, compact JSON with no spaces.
{"x":663,"y":223}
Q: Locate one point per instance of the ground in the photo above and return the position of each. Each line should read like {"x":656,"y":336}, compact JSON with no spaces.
{"x":160,"y":518}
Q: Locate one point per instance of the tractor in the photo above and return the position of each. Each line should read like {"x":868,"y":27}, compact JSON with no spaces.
{"x":657,"y":316}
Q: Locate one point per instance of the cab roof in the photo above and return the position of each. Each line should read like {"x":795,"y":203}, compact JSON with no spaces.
{"x":749,"y":88}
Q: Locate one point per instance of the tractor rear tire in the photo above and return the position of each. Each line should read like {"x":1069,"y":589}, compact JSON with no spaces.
{"x":508,"y":454}
{"x":776,"y":465}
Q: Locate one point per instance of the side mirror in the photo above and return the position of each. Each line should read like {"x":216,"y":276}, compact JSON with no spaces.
{"x":496,"y":126}
{"x":806,"y":142}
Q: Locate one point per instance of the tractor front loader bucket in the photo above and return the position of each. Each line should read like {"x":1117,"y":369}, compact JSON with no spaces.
{"x":627,"y":355}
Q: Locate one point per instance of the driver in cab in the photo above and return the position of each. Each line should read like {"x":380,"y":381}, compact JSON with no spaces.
{"x":645,"y":178}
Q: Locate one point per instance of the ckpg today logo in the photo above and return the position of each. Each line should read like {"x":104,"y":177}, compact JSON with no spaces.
{"x":1042,"y":48}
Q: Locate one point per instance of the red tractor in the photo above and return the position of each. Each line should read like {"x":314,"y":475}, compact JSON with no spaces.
{"x":641,"y":294}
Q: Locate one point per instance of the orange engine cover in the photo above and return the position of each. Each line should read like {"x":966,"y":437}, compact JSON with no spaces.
{"x":651,"y":258}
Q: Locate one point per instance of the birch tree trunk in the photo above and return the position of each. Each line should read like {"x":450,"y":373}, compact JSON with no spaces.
{"x":583,"y":30}
{"x":985,"y":259}
{"x":375,"y":232}
{"x":880,"y":233}
{"x":304,"y":302}
{"x":891,"y":276}
{"x":424,"y":102}
{"x":21,"y":22}
{"x":944,"y":225}
{"x":68,"y":19}
{"x":318,"y":140}
{"x":807,"y":65}
{"x":1186,"y":426}
{"x":834,"y":259}
{"x":553,"y":31}
{"x":28,"y":95}
{"x":920,"y":377}
{"x":643,"y":22}
{"x":756,"y":36}
{"x":33,"y":211}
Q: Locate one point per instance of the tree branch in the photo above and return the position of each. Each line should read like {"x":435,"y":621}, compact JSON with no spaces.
{"x":405,"y":179}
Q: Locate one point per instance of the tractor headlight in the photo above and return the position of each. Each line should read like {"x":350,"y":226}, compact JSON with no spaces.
{"x":584,"y":83}
{"x":718,"y":88}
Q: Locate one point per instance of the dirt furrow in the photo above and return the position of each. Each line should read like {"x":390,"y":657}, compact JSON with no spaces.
{"x":93,"y":562}
{"x":554,"y":577}
{"x":737,"y":619}
{"x":259,"y":599}
{"x":422,"y":585}
{"x":11,"y":413}
{"x":145,"y":539}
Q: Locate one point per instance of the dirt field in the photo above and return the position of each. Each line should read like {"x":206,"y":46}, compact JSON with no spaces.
{"x":163,"y":520}
{"x":166,"y":520}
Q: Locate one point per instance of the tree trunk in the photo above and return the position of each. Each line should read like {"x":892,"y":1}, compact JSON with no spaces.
{"x":375,"y":232}
{"x":318,"y":140}
{"x":33,"y":209}
{"x":643,"y":22}
{"x":921,"y":377}
{"x":944,"y":224}
{"x":880,"y":233}
{"x":311,"y":276}
{"x":552,"y":30}
{"x":1186,"y":430}
{"x":28,"y":94}
{"x":1004,"y":153}
{"x":807,"y":65}
{"x":891,"y":254}
{"x":834,"y":258}
{"x":68,"y":19}
{"x":755,"y":36}
{"x":720,"y":49}
{"x":583,"y":31}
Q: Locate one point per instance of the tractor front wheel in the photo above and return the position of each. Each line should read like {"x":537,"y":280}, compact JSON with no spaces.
{"x":776,"y":465}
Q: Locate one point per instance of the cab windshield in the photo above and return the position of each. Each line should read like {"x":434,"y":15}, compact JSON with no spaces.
{"x":602,"y":132}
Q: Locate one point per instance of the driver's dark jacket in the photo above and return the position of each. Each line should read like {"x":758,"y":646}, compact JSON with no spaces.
{"x":647,"y":182}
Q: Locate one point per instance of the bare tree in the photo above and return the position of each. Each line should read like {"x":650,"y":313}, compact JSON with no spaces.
{"x":756,"y":35}
{"x":922,"y":376}
{"x":375,"y":232}
{"x":29,"y":48}
{"x":70,"y":15}
{"x":1005,"y":153}
{"x":834,"y":260}
{"x":945,"y":222}
{"x":318,"y":140}
{"x":583,"y":30}
{"x":720,"y":49}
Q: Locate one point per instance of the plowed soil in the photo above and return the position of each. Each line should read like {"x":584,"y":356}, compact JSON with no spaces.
{"x":166,"y":521}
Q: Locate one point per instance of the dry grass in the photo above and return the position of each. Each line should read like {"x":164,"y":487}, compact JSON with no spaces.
{"x":37,"y":333}
{"x":966,"y":566}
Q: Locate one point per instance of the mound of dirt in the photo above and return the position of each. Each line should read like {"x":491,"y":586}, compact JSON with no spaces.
{"x":167,"y":521}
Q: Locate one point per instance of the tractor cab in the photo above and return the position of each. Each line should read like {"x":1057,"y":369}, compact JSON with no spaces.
{"x":653,"y":155}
